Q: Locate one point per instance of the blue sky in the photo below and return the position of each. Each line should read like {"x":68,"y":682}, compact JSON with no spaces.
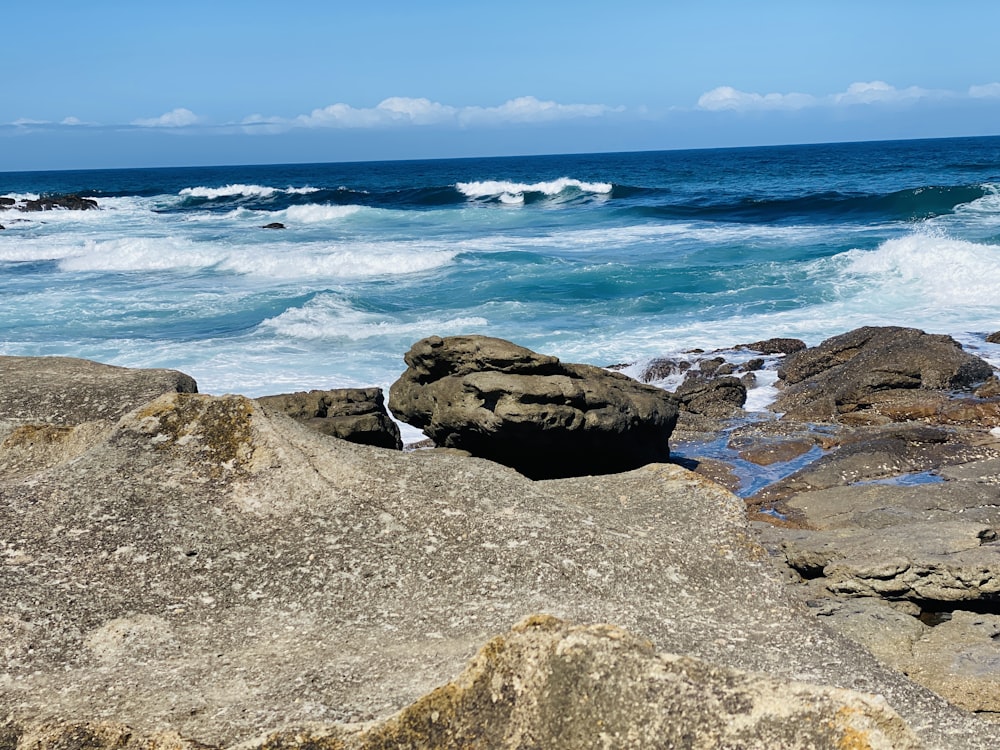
{"x":119,"y":84}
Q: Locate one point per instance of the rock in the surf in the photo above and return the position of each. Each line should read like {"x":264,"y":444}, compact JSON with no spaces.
{"x":719,"y":397}
{"x":993,"y":338}
{"x":354,"y":414}
{"x":852,"y":373}
{"x":529,"y":411}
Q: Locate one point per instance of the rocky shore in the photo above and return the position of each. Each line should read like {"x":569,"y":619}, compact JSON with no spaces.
{"x":182,"y":570}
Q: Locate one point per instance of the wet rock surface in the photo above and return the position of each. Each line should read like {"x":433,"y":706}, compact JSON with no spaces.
{"x":208,"y":571}
{"x":69,"y":202}
{"x":855,"y":375}
{"x":530,"y":411}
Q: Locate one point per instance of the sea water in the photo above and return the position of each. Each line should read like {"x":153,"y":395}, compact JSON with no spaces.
{"x":596,"y":258}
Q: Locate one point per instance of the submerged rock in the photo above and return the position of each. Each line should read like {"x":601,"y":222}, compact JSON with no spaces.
{"x":530,"y":411}
{"x":274,"y":225}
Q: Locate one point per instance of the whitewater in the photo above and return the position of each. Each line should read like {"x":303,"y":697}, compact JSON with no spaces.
{"x":597,"y":258}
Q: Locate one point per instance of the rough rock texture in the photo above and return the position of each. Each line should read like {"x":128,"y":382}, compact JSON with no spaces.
{"x":66,"y":391}
{"x":881,"y":556}
{"x":547,"y":684}
{"x":720,"y":397}
{"x":211,"y":571}
{"x":850,"y":373}
{"x":775,"y":346}
{"x":529,"y":411}
{"x":354,"y":414}
{"x":993,"y":338}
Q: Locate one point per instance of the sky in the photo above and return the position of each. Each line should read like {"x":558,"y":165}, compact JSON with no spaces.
{"x":118,"y":83}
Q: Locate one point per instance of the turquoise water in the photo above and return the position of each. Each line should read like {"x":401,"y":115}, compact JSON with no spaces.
{"x":600,"y":258}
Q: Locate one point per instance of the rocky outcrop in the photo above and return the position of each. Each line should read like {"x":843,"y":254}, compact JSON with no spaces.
{"x":210,"y":570}
{"x":530,"y":411}
{"x":70,"y":202}
{"x":912,"y":572}
{"x":354,"y":414}
{"x":718,"y":397}
{"x":67,"y":391}
{"x":775,"y":346}
{"x":993,"y":338}
{"x":549,"y":684}
{"x":859,"y":374}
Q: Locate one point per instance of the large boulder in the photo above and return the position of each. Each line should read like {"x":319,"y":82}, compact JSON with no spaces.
{"x":853,"y":372}
{"x":354,"y":414}
{"x":529,"y":411}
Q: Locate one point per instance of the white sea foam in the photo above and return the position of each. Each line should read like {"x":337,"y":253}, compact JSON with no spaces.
{"x":278,"y":261}
{"x":315,"y":213}
{"x":246,"y":191}
{"x":330,"y":317}
{"x":228,"y":191}
{"x":929,"y":270}
{"x":501,"y":188}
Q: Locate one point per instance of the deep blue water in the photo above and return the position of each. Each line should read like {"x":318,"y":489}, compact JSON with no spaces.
{"x":601,"y":258}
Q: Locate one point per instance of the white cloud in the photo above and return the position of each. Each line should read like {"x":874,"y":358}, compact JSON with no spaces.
{"x":873,"y":92}
{"x":530,"y":109}
{"x":391,"y":111}
{"x":401,"y":110}
{"x":861,"y":92}
{"x":23,"y":122}
{"x":987,"y":91}
{"x":175,"y":118}
{"x":726,"y":97}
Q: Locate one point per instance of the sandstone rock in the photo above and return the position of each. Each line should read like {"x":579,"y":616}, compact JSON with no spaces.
{"x":66,"y":391}
{"x":873,"y":453}
{"x":775,"y":346}
{"x":844,"y":373}
{"x":206,"y":571}
{"x":529,"y":411}
{"x":720,"y":397}
{"x":354,"y":414}
{"x":552,"y":685}
{"x":936,"y":562}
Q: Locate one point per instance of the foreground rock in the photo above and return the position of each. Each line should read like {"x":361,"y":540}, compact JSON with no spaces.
{"x":551,"y":685}
{"x":530,"y":411}
{"x":354,"y":414}
{"x":911,"y":572}
{"x":209,"y":571}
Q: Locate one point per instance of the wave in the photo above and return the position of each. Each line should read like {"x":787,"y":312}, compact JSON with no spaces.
{"x":273,"y":261}
{"x":902,"y":205}
{"x":519,"y":193}
{"x":244,"y":191}
{"x":329,"y":316}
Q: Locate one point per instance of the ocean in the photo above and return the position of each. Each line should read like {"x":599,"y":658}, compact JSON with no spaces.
{"x":596,"y":258}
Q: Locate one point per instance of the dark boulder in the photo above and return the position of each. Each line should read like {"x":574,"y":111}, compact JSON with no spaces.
{"x":357,"y":415}
{"x":775,"y":346}
{"x":849,"y":373}
{"x":70,"y":202}
{"x":721,"y":397}
{"x":6,"y":203}
{"x":274,"y":225}
{"x":530,"y":411}
{"x":993,"y":338}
